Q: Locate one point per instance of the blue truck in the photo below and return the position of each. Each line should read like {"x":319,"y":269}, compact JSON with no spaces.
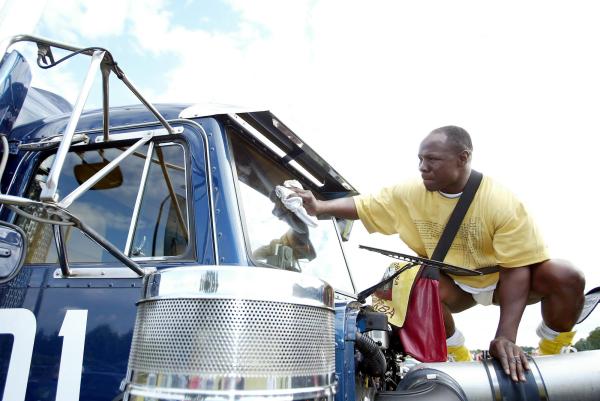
{"x":144,"y":255}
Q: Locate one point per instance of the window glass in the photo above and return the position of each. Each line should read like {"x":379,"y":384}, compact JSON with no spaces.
{"x":108,"y":207}
{"x":162,"y":226}
{"x":277,"y":237}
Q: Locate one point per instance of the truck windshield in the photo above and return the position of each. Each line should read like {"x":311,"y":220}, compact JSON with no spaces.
{"x":275,"y":236}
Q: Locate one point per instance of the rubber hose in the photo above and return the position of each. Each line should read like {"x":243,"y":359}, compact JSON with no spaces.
{"x":374,"y":362}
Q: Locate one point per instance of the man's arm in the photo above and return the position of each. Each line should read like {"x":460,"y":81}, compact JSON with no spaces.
{"x":342,"y":207}
{"x":513,"y":291}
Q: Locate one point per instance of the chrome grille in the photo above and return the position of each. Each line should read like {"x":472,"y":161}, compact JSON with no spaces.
{"x":204,"y":336}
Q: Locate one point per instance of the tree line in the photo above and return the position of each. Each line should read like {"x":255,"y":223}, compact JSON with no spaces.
{"x":591,"y":342}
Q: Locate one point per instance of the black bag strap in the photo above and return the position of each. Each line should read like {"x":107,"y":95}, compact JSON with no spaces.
{"x":457,"y":216}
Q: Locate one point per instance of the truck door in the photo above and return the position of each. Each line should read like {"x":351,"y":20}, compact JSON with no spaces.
{"x":66,"y":336}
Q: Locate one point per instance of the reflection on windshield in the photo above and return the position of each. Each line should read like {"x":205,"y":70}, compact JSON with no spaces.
{"x":161,"y":228}
{"x":276,"y":236}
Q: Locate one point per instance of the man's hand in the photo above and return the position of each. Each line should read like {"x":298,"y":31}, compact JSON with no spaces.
{"x":513,"y":290}
{"x":511,"y":357}
{"x":310,"y":203}
{"x":341,"y":207}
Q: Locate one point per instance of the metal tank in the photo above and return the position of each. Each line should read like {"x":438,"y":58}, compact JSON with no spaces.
{"x":232,"y":333}
{"x":565,"y":377}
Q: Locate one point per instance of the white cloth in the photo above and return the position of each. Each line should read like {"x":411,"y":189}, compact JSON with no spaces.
{"x":293,"y":202}
{"x":483,"y":296}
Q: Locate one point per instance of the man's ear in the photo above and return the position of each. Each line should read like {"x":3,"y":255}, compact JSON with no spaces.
{"x":464,"y":157}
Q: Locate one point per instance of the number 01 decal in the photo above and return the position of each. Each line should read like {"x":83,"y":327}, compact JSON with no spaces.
{"x":22,"y":325}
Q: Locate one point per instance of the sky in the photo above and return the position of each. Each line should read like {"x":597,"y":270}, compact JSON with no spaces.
{"x":363,"y":82}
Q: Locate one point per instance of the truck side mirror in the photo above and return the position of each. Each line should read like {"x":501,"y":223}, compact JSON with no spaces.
{"x":15,"y":78}
{"x":12,"y":251}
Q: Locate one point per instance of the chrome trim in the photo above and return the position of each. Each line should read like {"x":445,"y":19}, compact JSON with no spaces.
{"x":149,"y":106}
{"x":494,"y":384}
{"x":136,"y":134}
{"x":256,"y":134}
{"x":138,"y":199}
{"x":229,"y":389}
{"x":209,"y":182}
{"x":53,"y":142}
{"x":241,"y":222}
{"x":20,"y":201}
{"x":171,"y":165}
{"x":80,"y":190}
{"x":101,"y":272}
{"x":272,"y":384}
{"x":239,"y":282}
{"x":225,"y":333}
{"x":151,"y":127}
{"x":207,"y":110}
{"x":50,"y":188}
{"x":4,"y":45}
{"x":572,"y":376}
{"x":535,"y":372}
{"x":305,"y":173}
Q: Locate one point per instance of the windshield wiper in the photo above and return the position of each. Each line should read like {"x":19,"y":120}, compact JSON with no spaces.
{"x":412,"y":261}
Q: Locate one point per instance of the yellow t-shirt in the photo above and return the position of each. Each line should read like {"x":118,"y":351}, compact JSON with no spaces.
{"x":496,"y":231}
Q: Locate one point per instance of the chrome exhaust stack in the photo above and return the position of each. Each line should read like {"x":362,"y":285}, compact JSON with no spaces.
{"x":232,"y":333}
{"x":565,"y":377}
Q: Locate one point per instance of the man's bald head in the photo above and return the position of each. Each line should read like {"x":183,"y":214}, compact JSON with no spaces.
{"x":456,"y":137}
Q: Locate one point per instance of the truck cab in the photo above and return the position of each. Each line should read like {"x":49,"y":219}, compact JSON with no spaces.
{"x":106,"y":198}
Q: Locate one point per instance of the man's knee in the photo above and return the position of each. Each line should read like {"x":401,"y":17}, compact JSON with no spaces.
{"x":557,"y":276}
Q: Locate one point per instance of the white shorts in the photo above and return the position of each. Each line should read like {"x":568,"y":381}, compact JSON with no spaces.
{"x":482,"y":296}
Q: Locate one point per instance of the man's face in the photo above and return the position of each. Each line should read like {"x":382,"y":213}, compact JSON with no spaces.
{"x":441,"y":165}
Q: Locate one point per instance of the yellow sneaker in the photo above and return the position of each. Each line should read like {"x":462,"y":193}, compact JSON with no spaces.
{"x":561,"y":344}
{"x":459,"y":353}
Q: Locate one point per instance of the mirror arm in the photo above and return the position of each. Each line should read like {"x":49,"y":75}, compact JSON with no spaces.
{"x":105,"y":69}
{"x":61,"y":251}
{"x":50,"y":188}
{"x":113,"y":250}
{"x":63,"y":217}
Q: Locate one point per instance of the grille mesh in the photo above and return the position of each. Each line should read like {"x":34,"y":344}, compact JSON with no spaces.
{"x":229,"y":336}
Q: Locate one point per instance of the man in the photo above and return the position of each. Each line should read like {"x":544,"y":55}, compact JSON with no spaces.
{"x":496,"y":231}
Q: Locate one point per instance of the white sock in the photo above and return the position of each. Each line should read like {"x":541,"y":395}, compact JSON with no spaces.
{"x":455,"y":340}
{"x":546,"y":332}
